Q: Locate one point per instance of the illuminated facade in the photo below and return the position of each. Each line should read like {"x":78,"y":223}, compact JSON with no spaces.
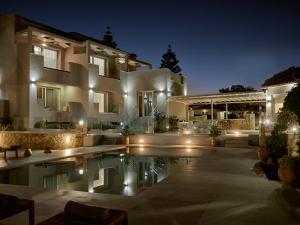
{"x":48,"y":74}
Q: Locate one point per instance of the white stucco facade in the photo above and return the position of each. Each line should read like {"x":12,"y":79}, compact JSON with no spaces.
{"x":89,"y":81}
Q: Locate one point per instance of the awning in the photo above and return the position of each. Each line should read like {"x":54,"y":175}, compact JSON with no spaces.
{"x":222,"y":98}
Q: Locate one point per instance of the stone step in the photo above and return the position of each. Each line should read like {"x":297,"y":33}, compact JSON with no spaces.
{"x":236,"y":146}
{"x":111,"y":140}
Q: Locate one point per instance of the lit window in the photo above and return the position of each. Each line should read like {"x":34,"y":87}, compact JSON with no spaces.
{"x":50,"y":97}
{"x":100,"y":62}
{"x":50,"y":56}
{"x":100,"y":99}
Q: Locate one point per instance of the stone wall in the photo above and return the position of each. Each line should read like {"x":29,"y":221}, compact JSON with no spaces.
{"x":41,"y":140}
{"x":234,"y":124}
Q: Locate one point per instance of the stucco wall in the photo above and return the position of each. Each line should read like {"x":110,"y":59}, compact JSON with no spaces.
{"x":160,"y":139}
{"x":177,"y":109}
{"x":159,"y":81}
{"x":37,"y":140}
{"x":8,"y":63}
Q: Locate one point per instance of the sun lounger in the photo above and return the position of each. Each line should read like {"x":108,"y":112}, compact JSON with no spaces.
{"x":79,"y":214}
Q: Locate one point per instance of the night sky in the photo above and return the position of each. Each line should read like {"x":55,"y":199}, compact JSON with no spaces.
{"x":218,"y":43}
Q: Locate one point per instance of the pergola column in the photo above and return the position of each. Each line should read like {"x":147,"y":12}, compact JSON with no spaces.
{"x":226,"y":111}
{"x":187,"y":108}
{"x":212,"y":111}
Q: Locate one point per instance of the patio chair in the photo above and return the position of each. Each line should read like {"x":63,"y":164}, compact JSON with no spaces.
{"x":11,"y":205}
{"x":79,"y":214}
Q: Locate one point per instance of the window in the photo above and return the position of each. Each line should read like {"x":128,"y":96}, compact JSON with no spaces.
{"x":50,"y":97}
{"x":100,"y":99}
{"x":50,"y":56}
{"x":100,"y":62}
{"x":146,"y":102}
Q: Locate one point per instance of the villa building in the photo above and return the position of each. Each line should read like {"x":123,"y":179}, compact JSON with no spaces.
{"x":49,"y":74}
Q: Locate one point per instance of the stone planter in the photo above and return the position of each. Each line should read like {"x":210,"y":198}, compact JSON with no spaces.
{"x":287,"y":175}
{"x":263,"y":154}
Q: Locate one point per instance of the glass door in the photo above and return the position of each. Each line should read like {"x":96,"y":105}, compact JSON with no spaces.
{"x":145,"y":102}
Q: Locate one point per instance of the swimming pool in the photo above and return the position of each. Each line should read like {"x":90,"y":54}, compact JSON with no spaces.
{"x":111,"y":173}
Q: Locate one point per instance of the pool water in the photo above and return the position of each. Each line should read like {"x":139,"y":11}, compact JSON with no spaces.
{"x":112,"y":173}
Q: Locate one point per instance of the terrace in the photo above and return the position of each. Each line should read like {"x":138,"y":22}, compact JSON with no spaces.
{"x":188,"y":196}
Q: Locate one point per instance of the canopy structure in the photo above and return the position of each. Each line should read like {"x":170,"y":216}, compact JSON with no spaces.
{"x":222,"y":98}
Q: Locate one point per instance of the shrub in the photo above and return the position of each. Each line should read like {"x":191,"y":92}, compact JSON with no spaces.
{"x":277,"y":144}
{"x":214,"y":131}
{"x":126,"y":131}
{"x":286,"y":161}
{"x":160,"y":121}
{"x":286,"y":119}
{"x":173,"y":122}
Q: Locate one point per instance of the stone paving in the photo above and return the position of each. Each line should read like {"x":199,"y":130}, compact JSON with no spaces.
{"x":218,"y":188}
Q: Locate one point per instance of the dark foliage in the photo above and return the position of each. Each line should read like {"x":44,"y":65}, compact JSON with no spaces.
{"x":108,"y":38}
{"x":170,"y":61}
{"x":236,"y":88}
{"x":277,"y":144}
{"x":289,"y":75}
{"x":291,"y":102}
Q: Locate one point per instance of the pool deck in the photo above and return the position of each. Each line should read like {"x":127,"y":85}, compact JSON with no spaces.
{"x":217,"y":188}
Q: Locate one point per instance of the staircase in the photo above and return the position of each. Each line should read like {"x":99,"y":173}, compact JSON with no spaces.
{"x":236,"y":142}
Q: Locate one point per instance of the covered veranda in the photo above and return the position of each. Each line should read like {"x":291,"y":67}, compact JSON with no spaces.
{"x":215,"y":107}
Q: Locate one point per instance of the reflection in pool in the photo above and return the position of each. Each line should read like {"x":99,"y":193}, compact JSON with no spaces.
{"x":113,"y":173}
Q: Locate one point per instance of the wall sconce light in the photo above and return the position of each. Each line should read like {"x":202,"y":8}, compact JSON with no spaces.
{"x":125,"y":95}
{"x":81,"y":123}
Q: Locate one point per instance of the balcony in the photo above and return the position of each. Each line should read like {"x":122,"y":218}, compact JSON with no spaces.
{"x":40,"y":73}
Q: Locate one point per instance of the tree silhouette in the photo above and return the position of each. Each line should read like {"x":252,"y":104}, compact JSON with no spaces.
{"x":108,"y":38}
{"x":170,"y":61}
{"x":236,"y":88}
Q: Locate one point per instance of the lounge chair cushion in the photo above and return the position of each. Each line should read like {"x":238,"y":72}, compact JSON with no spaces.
{"x":85,"y":212}
{"x":7,"y":201}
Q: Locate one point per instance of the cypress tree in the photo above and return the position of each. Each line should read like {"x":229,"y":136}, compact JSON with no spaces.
{"x":170,"y":61}
{"x":108,"y":38}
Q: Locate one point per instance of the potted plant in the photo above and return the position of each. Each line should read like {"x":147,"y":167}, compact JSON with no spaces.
{"x":173,"y":122}
{"x":286,"y":171}
{"x":214,"y":132}
{"x":126,"y":132}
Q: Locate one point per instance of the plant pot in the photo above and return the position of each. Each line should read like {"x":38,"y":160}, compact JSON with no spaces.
{"x":27,"y":152}
{"x":286,"y":175}
{"x":263,"y":154}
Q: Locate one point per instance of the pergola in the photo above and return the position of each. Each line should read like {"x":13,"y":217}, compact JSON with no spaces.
{"x":221,"y":98}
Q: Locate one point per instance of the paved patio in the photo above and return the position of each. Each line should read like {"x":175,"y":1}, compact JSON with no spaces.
{"x":218,"y":188}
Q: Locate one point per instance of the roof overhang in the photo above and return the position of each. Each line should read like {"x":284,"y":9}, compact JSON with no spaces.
{"x":222,"y":98}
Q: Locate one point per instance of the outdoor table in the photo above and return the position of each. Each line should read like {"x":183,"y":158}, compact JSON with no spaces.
{"x":14,"y":148}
